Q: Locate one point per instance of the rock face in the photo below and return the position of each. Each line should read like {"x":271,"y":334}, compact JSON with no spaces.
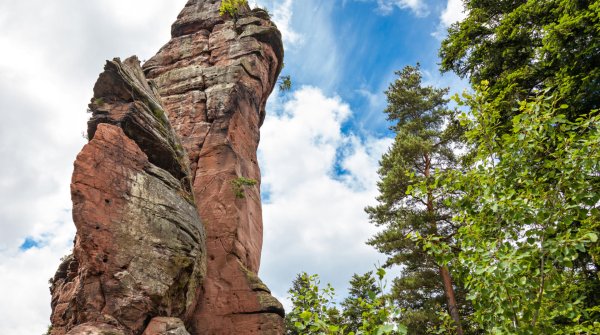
{"x":166,"y":194}
{"x":166,"y":326}
{"x":215,"y":76}
{"x":140,"y":246}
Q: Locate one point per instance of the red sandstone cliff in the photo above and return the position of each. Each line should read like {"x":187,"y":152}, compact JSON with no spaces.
{"x":215,"y":76}
{"x":166,"y":194}
{"x":140,"y":247}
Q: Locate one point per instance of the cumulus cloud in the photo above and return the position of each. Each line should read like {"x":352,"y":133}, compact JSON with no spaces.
{"x":454,"y":12}
{"x":318,"y":179}
{"x":24,"y":283}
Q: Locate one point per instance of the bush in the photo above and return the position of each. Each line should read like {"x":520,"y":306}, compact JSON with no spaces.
{"x":232,"y":7}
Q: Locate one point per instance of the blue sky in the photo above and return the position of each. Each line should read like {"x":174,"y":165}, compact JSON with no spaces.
{"x":320,"y":143}
{"x":352,"y":48}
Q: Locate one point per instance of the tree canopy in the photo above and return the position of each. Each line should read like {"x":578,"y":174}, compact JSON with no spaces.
{"x":522,"y":46}
{"x":529,"y":217}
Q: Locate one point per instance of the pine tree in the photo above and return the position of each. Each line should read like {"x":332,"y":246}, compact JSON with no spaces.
{"x":521,"y":46}
{"x":300,"y":286}
{"x":363,"y":289}
{"x":312,"y":307}
{"x":425,"y":135}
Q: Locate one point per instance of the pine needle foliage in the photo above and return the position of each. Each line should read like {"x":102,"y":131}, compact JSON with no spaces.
{"x":408,"y":202}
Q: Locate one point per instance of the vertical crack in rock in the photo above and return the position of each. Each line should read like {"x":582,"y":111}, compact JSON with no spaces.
{"x":215,"y":76}
{"x":164,"y":153}
{"x":140,"y":246}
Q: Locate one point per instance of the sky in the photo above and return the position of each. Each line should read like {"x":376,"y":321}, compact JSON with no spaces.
{"x":320,"y":143}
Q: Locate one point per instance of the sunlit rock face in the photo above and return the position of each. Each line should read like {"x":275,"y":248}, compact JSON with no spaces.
{"x":166,"y":195}
{"x":215,"y":76}
{"x":140,"y":246}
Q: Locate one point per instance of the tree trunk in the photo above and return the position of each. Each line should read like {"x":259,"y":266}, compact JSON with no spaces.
{"x":444,"y":272}
{"x":452,"y":306}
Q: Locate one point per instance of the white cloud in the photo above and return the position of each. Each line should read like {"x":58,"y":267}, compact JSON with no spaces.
{"x":146,"y":11}
{"x":453,"y":12}
{"x":418,"y":7}
{"x":24,"y":283}
{"x":52,"y":52}
{"x":314,"y":220}
{"x":282,"y":16}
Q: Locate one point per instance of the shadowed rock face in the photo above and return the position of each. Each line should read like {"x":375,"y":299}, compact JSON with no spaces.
{"x":162,"y":155}
{"x":140,"y":247}
{"x":214,"y":77}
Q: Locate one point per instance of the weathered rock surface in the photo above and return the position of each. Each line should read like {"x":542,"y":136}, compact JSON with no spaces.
{"x":166,"y":326}
{"x":95,"y":329}
{"x":215,"y":76}
{"x":162,"y":155}
{"x":140,"y":246}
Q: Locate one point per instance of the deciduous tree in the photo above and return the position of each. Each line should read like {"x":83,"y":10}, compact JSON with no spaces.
{"x":529,"y":216}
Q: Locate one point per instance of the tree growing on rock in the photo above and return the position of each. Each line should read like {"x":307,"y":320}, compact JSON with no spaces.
{"x":285,"y":83}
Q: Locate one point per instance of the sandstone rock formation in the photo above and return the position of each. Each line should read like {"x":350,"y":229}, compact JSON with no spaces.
{"x":166,"y":195}
{"x":166,"y":326}
{"x":215,"y":76}
{"x":139,"y":249}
